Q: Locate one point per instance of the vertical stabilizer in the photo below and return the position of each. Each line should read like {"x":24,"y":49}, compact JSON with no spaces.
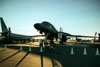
{"x":99,"y":37}
{"x":61,"y":30}
{"x":3,"y":26}
{"x":95,"y":36}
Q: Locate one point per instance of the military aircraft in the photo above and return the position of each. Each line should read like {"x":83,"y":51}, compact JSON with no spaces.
{"x":51,"y":32}
{"x":9,"y":36}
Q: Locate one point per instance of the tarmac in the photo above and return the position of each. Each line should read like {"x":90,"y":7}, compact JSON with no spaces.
{"x":20,"y":55}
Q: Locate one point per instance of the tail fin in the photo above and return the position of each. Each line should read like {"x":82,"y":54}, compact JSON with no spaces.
{"x":3,"y":26}
{"x":61,"y":30}
{"x":99,"y":37}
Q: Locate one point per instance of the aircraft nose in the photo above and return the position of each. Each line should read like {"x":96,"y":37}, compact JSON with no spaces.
{"x":37,"y":26}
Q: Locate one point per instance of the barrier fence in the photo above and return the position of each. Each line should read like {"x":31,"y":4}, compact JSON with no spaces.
{"x":71,"y":50}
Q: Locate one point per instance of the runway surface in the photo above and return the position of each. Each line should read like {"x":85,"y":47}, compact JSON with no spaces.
{"x":59,"y":56}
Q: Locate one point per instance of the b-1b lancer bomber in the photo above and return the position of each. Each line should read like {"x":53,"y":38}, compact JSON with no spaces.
{"x":51,"y":32}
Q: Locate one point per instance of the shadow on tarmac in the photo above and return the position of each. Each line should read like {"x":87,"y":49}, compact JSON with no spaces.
{"x":9,"y":57}
{"x":22,"y":59}
{"x":35,"y":51}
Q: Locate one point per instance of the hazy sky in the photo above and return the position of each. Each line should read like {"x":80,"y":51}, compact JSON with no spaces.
{"x":80,"y":17}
